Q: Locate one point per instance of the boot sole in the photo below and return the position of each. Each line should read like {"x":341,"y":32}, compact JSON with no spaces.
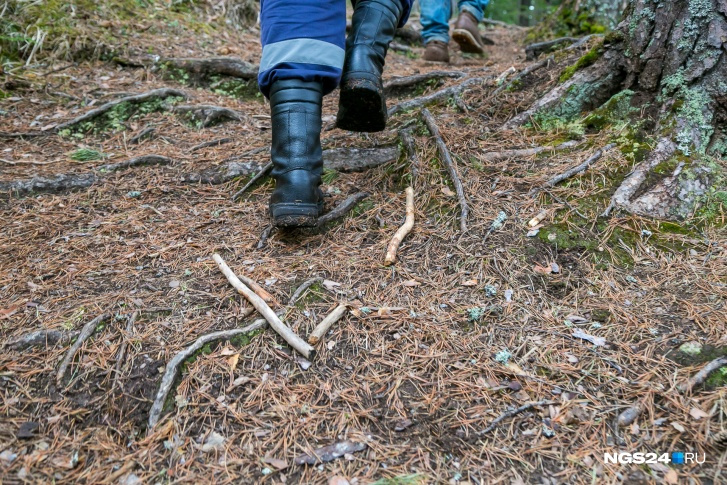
{"x":467,"y":42}
{"x":295,"y":215}
{"x":362,"y":107}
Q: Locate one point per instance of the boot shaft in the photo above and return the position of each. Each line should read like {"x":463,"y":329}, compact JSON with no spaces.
{"x":374,"y":24}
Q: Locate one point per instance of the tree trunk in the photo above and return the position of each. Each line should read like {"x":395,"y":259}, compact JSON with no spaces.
{"x":665,"y":69}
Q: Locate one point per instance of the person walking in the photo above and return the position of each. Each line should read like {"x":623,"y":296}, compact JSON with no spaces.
{"x":303,"y":59}
{"x":435,"y":15}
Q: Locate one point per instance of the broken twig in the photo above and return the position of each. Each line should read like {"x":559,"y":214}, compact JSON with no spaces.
{"x":514,"y":412}
{"x":702,"y":375}
{"x":172,"y":368}
{"x":207,"y":144}
{"x":326,"y":324}
{"x":399,"y":83}
{"x":436,"y":96}
{"x":283,"y":330}
{"x":262,"y":173}
{"x":302,"y":288}
{"x":342,"y":209}
{"x":403,"y":231}
{"x":447,"y":159}
{"x":86,"y":332}
{"x":575,"y":170}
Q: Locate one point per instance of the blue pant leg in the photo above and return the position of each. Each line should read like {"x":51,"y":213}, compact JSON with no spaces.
{"x":302,"y":39}
{"x":475,"y":7}
{"x":435,"y":16}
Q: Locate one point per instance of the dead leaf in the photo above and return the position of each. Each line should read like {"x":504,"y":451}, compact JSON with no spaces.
{"x":338,"y":481}
{"x":329,"y":453}
{"x":448,"y":192}
{"x":678,"y":427}
{"x":232,"y":361}
{"x":544,"y":270}
{"x":276,"y":462}
{"x":411,"y":283}
{"x":597,"y":341}
{"x":330,"y":285}
{"x":237,"y":382}
{"x":469,"y":283}
{"x":403,"y":424}
{"x":10,"y":311}
{"x":698,"y":414}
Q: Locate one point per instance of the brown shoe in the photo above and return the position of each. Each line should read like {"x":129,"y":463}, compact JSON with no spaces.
{"x":467,"y":35}
{"x":436,"y":51}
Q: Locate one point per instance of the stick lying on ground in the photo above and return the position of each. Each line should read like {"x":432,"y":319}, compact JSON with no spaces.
{"x":283,"y":330}
{"x":262,"y":173}
{"x":514,"y":412}
{"x":575,"y":170}
{"x":135,"y":99}
{"x":702,"y":375}
{"x":532,"y":51}
{"x":342,"y":209}
{"x":403,"y":231}
{"x":301,"y":289}
{"x":398,"y":83}
{"x":528,"y":70}
{"x":327,"y":322}
{"x":436,"y":96}
{"x":525,"y":152}
{"x":213,"y":143}
{"x":122,"y":348}
{"x":447,"y":159}
{"x":259,"y":290}
{"x":172,"y":368}
{"x":86,"y":332}
{"x":145,"y":133}
{"x":410,"y":145}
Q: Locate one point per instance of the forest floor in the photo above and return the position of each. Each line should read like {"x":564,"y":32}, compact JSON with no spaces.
{"x":584,"y":318}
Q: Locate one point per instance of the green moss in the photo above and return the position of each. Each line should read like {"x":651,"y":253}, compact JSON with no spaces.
{"x":587,"y":60}
{"x":86,"y":155}
{"x":236,"y":88}
{"x":616,"y":111}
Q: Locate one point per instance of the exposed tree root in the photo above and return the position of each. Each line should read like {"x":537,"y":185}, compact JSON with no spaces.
{"x":161,"y":93}
{"x":436,"y":96}
{"x":40,"y":337}
{"x":207,"y":144}
{"x":514,"y":412}
{"x":703,"y":374}
{"x":532,"y":51}
{"x":72,"y":181}
{"x":122,"y":349}
{"x":575,"y":170}
{"x":212,"y":66}
{"x":525,"y":72}
{"x":340,"y":159}
{"x":172,"y":368}
{"x":342,"y":209}
{"x":411,"y":152}
{"x":261,"y":174}
{"x":28,"y":134}
{"x":403,"y":231}
{"x":207,"y":115}
{"x":449,"y":163}
{"x":145,"y":133}
{"x":321,"y":329}
{"x":86,"y":332}
{"x":300,"y":345}
{"x":525,"y":152}
{"x":398,"y":84}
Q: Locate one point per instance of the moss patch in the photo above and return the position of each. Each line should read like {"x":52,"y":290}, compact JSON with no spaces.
{"x":587,"y":60}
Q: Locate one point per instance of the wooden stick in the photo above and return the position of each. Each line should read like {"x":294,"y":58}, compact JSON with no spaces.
{"x":86,"y":332}
{"x":447,"y":159}
{"x":702,"y":375}
{"x":283,"y":330}
{"x":528,"y":70}
{"x":207,"y":144}
{"x":327,"y":322}
{"x":525,"y":152}
{"x":172,"y":368}
{"x":403,"y":230}
{"x":342,"y":209}
{"x":410,"y":145}
{"x":262,"y":173}
{"x":510,"y":414}
{"x":301,"y":289}
{"x":575,"y":170}
{"x":436,"y":96}
{"x":403,"y":82}
{"x":122,"y":349}
{"x":259,"y":290}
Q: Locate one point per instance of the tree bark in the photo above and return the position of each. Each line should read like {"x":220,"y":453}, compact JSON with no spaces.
{"x":667,"y":60}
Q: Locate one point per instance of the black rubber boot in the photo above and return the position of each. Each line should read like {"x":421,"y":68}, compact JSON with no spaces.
{"x":296,"y":153}
{"x":362,"y":106}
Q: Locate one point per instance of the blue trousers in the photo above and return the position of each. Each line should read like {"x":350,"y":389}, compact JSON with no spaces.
{"x":304,"y":39}
{"x":435,"y":15}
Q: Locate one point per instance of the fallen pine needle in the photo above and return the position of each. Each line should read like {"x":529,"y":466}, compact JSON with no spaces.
{"x":170,"y":373}
{"x":326,"y":323}
{"x":403,"y":230}
{"x":514,"y":412}
{"x":86,"y":332}
{"x":283,"y":330}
